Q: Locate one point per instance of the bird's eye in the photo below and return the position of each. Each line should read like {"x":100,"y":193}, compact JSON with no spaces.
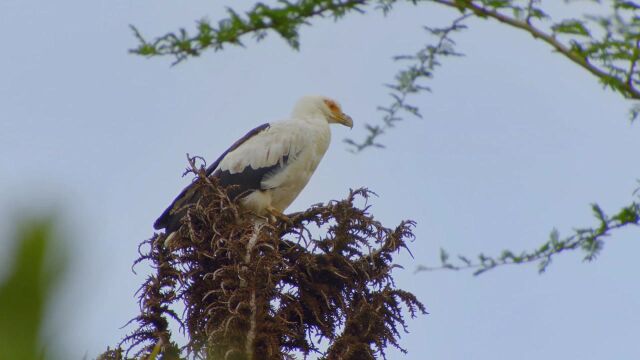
{"x":332,"y":105}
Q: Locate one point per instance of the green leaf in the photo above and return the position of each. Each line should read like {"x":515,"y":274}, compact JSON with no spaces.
{"x":444,"y":256}
{"x":599,"y":214}
{"x":628,"y":215}
{"x":573,"y":27}
{"x":498,"y":4}
{"x":626,"y":5}
{"x":25,"y":292}
{"x":464,"y":260}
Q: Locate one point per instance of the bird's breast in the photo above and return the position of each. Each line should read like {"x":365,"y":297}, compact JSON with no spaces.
{"x":288,"y":184}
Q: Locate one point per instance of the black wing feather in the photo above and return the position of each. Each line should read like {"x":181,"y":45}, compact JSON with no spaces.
{"x":249,"y":179}
{"x":170,"y":218}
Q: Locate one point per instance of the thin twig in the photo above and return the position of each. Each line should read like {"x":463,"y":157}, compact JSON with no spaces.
{"x":628,"y":90}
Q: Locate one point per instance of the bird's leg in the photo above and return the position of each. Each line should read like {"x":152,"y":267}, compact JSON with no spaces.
{"x":275,"y":213}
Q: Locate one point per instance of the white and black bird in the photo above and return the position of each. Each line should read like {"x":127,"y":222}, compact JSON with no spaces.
{"x":270,"y":165}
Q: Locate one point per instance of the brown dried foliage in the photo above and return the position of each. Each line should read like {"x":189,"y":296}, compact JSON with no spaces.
{"x":257,"y":289}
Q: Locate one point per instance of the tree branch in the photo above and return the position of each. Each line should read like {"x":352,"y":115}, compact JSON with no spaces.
{"x":409,"y":81}
{"x":285,"y":20}
{"x":625,"y":87}
{"x":590,"y":240}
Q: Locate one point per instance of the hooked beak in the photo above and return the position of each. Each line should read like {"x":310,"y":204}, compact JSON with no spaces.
{"x":344,"y":119}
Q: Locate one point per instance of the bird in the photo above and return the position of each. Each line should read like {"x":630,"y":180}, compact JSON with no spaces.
{"x":270,"y":165}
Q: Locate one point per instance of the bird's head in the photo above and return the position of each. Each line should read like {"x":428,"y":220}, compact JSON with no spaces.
{"x":328,"y":108}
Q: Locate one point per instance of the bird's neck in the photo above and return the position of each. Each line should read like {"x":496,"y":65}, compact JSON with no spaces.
{"x":306,"y":111}
{"x":315,"y":121}
{"x":318,"y":127}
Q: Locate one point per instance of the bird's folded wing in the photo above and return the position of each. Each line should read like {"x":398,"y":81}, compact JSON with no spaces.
{"x":261,"y":153}
{"x":259,"y":159}
{"x":171,"y":216}
{"x":271,"y":147}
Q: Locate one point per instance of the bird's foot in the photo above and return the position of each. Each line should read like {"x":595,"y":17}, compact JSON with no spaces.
{"x":277,"y":214}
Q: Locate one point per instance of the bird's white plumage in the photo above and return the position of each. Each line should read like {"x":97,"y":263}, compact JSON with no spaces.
{"x":303,"y":139}
{"x":268,"y":167}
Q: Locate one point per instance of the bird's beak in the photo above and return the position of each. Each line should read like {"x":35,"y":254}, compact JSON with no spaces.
{"x":344,"y":119}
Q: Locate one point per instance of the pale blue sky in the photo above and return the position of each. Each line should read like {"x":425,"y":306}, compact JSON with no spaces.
{"x":514,"y":142}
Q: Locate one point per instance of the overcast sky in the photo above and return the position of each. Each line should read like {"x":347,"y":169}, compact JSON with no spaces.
{"x":515,"y":141}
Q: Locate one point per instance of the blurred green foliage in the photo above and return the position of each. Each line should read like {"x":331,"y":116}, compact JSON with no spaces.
{"x":26,"y":290}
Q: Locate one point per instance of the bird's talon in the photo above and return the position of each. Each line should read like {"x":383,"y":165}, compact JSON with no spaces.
{"x":279,"y":215}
